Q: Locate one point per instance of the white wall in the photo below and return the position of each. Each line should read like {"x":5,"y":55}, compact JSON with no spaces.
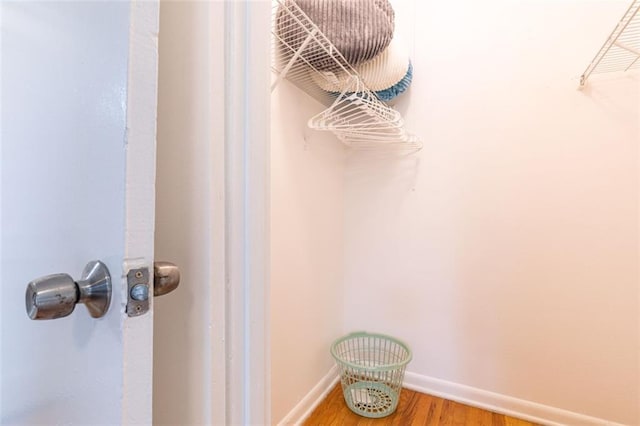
{"x":307,"y":204}
{"x":182,"y":388}
{"x":506,"y":251}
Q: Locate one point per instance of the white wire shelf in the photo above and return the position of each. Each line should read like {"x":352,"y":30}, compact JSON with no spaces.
{"x":303,"y":55}
{"x":621,"y":51}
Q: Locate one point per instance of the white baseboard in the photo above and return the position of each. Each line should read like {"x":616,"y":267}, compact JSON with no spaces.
{"x":311,"y":400}
{"x":520,"y":408}
{"x":515,"y":407}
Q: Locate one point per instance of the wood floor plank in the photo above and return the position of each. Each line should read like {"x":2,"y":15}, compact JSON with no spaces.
{"x":434,"y":414}
{"x":498,"y":419}
{"x":459,"y":414}
{"x":511,"y":421}
{"x":414,"y":408}
{"x":446,"y":415}
{"x":409,"y":404}
{"x":479,"y":417}
{"x":417,"y":411}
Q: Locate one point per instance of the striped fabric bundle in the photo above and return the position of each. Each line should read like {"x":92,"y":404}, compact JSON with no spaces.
{"x":359,"y":29}
{"x":387,"y":75}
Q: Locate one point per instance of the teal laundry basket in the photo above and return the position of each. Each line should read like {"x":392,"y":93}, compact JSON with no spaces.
{"x":371,"y":370}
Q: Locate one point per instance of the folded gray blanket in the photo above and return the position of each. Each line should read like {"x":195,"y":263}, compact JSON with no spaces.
{"x":359,"y":29}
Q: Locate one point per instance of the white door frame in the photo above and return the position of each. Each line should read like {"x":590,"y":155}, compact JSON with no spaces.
{"x":140,"y":145}
{"x":240,"y":361}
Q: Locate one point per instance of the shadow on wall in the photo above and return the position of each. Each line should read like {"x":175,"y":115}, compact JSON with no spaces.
{"x":609,"y":91}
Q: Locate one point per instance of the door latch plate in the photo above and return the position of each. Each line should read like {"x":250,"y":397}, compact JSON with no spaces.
{"x":137,"y":292}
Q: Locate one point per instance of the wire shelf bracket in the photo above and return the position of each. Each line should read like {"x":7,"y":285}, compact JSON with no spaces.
{"x":303,"y":55}
{"x":621,"y":51}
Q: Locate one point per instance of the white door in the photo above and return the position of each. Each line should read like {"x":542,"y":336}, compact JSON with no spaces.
{"x":78,"y":105}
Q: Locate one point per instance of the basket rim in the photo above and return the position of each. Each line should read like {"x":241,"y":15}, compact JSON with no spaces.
{"x":386,"y":367}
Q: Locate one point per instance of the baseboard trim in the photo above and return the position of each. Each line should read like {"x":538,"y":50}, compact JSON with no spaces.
{"x":520,"y":408}
{"x":305,"y":407}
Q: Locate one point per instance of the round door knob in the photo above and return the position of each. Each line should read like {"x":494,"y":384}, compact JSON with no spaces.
{"x":166,"y":278}
{"x":55,"y":296}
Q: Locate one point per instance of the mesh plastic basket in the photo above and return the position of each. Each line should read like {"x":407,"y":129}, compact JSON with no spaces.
{"x":371,"y":372}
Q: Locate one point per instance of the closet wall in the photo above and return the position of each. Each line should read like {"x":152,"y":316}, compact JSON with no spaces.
{"x":506,"y":252}
{"x":307,"y":211}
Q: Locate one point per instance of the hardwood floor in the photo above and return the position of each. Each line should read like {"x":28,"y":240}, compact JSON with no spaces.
{"x":413,"y":409}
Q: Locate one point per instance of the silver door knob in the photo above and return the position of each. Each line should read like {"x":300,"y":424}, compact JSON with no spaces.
{"x":166,"y":277}
{"x":55,"y":296}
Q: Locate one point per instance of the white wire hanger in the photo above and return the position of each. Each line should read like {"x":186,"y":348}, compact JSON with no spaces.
{"x":356,"y":115}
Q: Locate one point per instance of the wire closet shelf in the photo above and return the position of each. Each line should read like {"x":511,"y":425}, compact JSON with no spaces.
{"x":355,"y":115}
{"x":621,"y":51}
